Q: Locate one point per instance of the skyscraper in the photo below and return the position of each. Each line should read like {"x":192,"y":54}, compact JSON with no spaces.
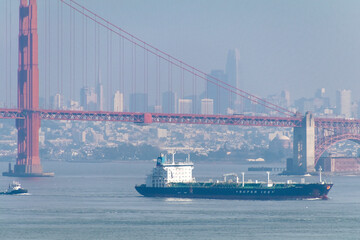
{"x":185,"y":106}
{"x":233,"y":76}
{"x":219,"y":95}
{"x":320,"y":93}
{"x":138,"y":102}
{"x":343,"y":103}
{"x":169,"y":102}
{"x":88,"y":98}
{"x":285,"y":99}
{"x":207,"y":106}
{"x":100,"y":94}
{"x":118,"y":102}
{"x":57,"y":101}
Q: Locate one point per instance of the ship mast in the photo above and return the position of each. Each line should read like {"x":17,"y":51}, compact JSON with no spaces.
{"x":173,"y":157}
{"x":243,"y":179}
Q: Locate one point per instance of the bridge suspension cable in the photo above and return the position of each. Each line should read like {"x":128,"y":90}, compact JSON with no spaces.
{"x":168,"y":58}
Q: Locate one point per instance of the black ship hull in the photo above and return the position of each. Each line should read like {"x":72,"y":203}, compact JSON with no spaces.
{"x":19,"y":191}
{"x":255,"y":192}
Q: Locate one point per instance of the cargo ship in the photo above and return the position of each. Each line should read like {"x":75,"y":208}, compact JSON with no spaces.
{"x":174,"y":180}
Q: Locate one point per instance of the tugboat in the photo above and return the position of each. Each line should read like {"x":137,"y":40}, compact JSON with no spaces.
{"x":174,"y":179}
{"x":14,"y":188}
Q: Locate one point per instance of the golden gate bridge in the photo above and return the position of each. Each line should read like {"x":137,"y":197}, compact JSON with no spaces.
{"x":137,"y":66}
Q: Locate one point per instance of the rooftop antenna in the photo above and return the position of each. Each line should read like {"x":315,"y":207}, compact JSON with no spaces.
{"x":188,"y":158}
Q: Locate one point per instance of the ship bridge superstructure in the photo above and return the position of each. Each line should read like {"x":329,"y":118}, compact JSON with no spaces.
{"x":166,"y":172}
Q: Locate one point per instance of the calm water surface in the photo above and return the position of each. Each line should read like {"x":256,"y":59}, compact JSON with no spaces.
{"x":98,"y":201}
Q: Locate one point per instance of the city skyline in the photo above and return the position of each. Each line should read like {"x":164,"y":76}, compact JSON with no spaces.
{"x":91,"y":100}
{"x":319,"y":104}
{"x":275,"y":64}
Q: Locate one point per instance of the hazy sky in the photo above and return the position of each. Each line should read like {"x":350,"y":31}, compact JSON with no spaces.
{"x":294,"y":45}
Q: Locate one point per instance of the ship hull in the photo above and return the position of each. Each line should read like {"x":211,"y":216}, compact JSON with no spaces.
{"x":298,"y":191}
{"x":14,"y":192}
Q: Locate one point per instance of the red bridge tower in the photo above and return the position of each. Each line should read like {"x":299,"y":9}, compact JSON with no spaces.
{"x":28,"y":160}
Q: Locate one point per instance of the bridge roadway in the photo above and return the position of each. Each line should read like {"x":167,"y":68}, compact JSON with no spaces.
{"x":138,"y":117}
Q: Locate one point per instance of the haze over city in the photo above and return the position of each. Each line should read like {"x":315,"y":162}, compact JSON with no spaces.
{"x":298,"y":46}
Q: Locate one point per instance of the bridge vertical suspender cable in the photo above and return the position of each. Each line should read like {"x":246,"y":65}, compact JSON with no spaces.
{"x":48,"y":91}
{"x":110,"y":85}
{"x":83,"y":51}
{"x":71,"y":64}
{"x":86,"y":53}
{"x":46,"y":65}
{"x":75,"y":50}
{"x":61,"y":51}
{"x":10,"y":59}
{"x":108,"y":69}
{"x":58,"y":51}
{"x":6,"y":53}
{"x":96,"y":74}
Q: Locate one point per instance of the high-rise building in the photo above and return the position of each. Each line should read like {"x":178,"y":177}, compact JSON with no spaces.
{"x":233,"y":75}
{"x":207,"y":106}
{"x":194,"y":100}
{"x":100,"y":94}
{"x":185,"y":106}
{"x":57,"y":101}
{"x":138,"y":102}
{"x":285,"y":99}
{"x":118,"y":102}
{"x":320,"y":93}
{"x":219,"y":95}
{"x":319,"y":104}
{"x":88,"y":98}
{"x":169,"y":102}
{"x":343,"y":103}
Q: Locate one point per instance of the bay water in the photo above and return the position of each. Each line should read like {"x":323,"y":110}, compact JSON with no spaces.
{"x":98,"y":201}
